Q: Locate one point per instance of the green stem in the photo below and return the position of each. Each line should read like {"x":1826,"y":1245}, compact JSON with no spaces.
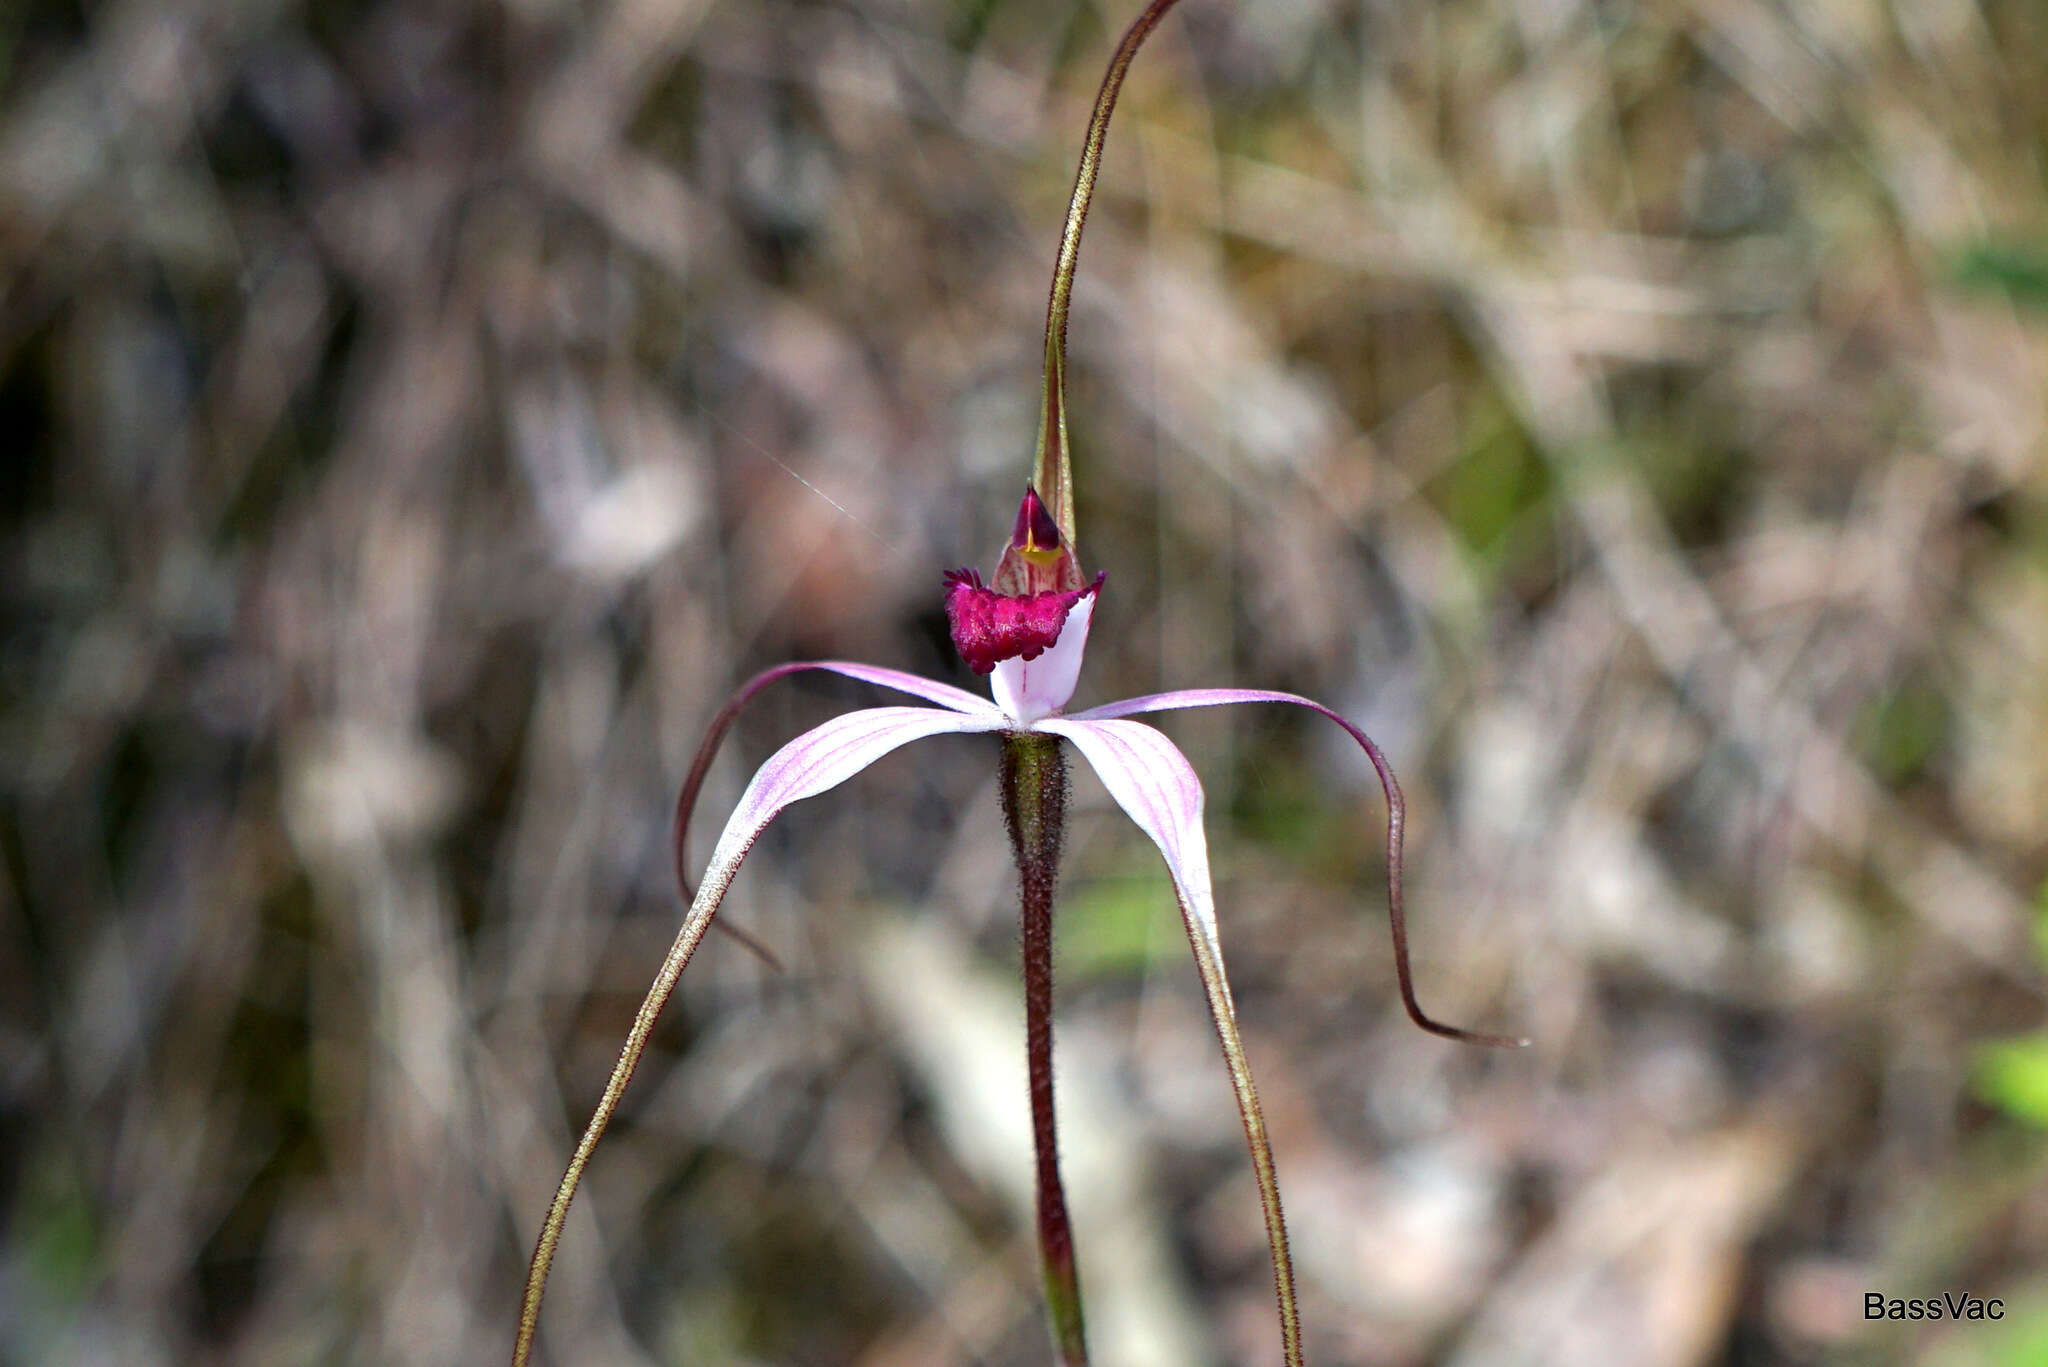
{"x":1052,"y":470}
{"x":1034,"y":785}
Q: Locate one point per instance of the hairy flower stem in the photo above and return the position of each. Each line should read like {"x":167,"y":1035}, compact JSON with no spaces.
{"x":1034,"y":784}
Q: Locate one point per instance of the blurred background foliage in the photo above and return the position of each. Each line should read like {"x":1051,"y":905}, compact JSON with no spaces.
{"x":420,"y":412}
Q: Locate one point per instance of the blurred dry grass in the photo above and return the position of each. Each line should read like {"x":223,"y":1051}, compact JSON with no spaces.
{"x":421,"y":411}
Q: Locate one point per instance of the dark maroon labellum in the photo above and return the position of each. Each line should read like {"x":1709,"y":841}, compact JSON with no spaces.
{"x":989,"y":627}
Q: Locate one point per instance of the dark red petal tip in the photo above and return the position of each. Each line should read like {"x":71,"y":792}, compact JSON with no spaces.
{"x":989,"y":627}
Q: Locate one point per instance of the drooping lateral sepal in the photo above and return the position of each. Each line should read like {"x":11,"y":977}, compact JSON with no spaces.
{"x":816,"y":762}
{"x":1154,"y":783}
{"x":1396,"y":823}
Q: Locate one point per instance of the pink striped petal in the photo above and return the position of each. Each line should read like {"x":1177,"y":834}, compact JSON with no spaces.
{"x":916,"y":685}
{"x":1209,"y":697}
{"x":819,"y":760}
{"x":945,"y":695}
{"x":1397,"y":816}
{"x":1153,"y":782}
{"x":825,"y":757}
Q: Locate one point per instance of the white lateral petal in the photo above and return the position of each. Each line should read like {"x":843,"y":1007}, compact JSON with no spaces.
{"x":1153,"y":782}
{"x":825,"y":757}
{"x":1202,"y":697}
{"x":1396,"y":820}
{"x":931,"y":690}
{"x":814,"y":762}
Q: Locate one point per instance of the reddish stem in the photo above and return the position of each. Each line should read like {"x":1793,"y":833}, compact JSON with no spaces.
{"x":1034,"y":787}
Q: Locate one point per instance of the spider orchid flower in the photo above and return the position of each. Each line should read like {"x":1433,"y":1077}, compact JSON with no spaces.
{"x":1026,"y":629}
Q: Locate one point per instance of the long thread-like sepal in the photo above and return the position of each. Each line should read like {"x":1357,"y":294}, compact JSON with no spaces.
{"x":702,"y":908}
{"x":1154,"y":783}
{"x":1224,"y":1012}
{"x":1053,"y":470}
{"x":817,"y":761}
